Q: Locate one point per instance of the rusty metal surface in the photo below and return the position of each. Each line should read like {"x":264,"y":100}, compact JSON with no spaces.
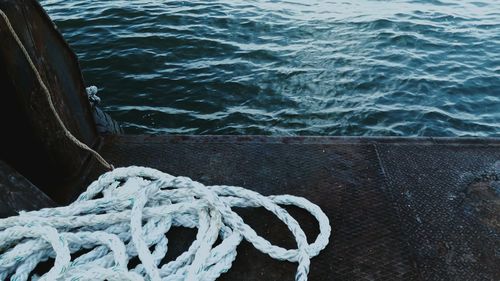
{"x":18,"y":194}
{"x":401,"y":208}
{"x":448,"y":199}
{"x":33,"y":141}
{"x":344,"y":180}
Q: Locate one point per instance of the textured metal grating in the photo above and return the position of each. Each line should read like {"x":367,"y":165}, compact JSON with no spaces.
{"x":401,"y":209}
{"x":344,"y":180}
{"x":450,"y":238}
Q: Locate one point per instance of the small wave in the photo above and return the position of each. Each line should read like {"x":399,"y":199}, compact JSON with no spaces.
{"x":411,"y":67}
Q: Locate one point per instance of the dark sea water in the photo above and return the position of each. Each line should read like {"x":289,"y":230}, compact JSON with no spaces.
{"x":360,"y":67}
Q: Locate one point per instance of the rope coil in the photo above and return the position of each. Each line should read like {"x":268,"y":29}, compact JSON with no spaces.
{"x":110,"y":228}
{"x":128,"y":211}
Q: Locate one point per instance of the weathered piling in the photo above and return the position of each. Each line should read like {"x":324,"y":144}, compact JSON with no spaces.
{"x":32,"y":140}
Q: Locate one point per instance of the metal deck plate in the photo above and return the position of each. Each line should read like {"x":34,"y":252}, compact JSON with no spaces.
{"x":400,"y":209}
{"x":451,"y":223}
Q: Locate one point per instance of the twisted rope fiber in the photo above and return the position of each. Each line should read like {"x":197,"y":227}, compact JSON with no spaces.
{"x":48,"y":97}
{"x":111,"y":227}
{"x":128,"y":211}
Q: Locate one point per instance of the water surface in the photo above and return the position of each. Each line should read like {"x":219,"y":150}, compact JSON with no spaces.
{"x":361,"y":67}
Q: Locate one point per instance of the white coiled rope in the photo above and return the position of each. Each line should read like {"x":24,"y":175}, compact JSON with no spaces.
{"x":128,"y":211}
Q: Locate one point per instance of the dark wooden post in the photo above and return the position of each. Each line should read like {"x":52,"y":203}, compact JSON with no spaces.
{"x":31,"y":140}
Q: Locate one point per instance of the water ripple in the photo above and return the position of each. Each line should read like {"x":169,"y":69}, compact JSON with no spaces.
{"x":320,"y":67}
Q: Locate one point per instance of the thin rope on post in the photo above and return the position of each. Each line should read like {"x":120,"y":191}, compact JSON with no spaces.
{"x":46,"y":91}
{"x":126,"y":214}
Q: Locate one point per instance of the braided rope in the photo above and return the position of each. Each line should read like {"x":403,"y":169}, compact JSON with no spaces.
{"x":111,"y":228}
{"x":128,"y":211}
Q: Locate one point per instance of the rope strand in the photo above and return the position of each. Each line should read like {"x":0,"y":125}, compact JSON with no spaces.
{"x":129,"y":211}
{"x":46,"y":91}
{"x":107,"y":221}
